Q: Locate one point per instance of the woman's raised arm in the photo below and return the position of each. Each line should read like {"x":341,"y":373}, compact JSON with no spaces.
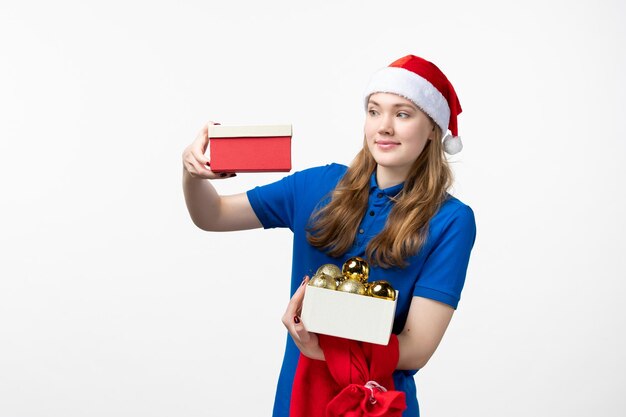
{"x":209,"y":210}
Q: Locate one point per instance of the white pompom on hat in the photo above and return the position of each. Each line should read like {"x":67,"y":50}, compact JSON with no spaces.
{"x":424,"y":84}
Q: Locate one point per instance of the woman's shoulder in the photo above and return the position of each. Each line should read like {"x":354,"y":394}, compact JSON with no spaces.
{"x":453,"y":212}
{"x":453,"y":204}
{"x":322,"y":175}
{"x":332,"y":169}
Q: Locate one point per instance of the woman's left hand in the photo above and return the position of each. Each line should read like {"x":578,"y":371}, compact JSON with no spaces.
{"x":307,"y":342}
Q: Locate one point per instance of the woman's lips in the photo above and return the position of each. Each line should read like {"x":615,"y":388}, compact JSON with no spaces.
{"x":386,"y":144}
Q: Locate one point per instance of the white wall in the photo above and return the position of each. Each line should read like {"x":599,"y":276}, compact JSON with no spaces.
{"x":113,"y":303}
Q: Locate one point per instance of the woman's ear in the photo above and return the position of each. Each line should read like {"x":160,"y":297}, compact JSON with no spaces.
{"x":431,"y":134}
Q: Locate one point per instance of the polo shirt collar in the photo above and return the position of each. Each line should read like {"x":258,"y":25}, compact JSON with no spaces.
{"x":389,"y":192}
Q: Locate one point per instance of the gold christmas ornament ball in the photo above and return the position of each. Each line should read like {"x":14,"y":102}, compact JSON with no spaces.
{"x":381,"y":289}
{"x":318,"y":280}
{"x":323,"y":281}
{"x":356,"y":268}
{"x":330,"y":270}
{"x":331,"y":284}
{"x":352,"y":286}
{"x":339,"y":280}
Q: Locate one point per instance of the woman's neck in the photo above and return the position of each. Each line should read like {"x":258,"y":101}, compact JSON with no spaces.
{"x":388,"y":177}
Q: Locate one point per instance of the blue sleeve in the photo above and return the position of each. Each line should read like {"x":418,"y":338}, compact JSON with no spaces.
{"x":443,"y":275}
{"x":289,"y":202}
{"x":273,"y":203}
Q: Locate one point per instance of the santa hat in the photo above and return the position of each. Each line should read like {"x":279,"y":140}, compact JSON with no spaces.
{"x":425,"y":85}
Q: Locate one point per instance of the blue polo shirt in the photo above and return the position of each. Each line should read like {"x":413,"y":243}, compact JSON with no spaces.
{"x":437,"y":271}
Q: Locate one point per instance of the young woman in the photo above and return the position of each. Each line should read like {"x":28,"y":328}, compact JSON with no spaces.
{"x":390,"y":207}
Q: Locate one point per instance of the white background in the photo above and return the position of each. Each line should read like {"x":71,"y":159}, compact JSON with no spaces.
{"x":113,"y":303}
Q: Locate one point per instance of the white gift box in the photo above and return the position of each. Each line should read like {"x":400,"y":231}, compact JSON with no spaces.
{"x":347,"y":315}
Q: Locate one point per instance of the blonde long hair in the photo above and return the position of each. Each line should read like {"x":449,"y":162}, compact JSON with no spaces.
{"x":333,"y":228}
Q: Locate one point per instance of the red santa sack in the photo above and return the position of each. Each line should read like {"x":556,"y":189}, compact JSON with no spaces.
{"x":354,"y":381}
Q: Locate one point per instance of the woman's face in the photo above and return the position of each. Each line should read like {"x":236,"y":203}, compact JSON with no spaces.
{"x":396,"y":131}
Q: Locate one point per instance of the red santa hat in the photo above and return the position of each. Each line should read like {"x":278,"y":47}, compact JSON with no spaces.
{"x":420,"y":81}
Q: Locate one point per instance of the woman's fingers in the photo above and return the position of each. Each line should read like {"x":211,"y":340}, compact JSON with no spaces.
{"x":307,"y":342}
{"x":196,"y":162}
{"x":294,"y":307}
{"x":295,"y":304}
{"x":198,"y":147}
{"x":302,"y":334}
{"x":298,"y":296}
{"x":199,"y":156}
{"x":195,"y":168}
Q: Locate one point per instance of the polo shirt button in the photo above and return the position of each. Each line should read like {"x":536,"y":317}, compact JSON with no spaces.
{"x":361,"y":231}
{"x":372,"y":213}
{"x":380,"y":195}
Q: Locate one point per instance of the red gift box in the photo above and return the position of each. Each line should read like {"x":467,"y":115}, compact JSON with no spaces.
{"x":250,"y":148}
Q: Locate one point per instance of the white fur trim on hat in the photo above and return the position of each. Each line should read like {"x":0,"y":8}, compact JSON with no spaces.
{"x":419,"y":90}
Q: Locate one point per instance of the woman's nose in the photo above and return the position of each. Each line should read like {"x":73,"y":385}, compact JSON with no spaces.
{"x":386,"y":125}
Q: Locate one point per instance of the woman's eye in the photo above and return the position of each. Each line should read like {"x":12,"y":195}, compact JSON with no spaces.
{"x":403,"y":115}
{"x":372,"y":112}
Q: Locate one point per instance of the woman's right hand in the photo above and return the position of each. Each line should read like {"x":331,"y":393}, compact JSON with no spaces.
{"x":307,"y":342}
{"x":194,"y":160}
